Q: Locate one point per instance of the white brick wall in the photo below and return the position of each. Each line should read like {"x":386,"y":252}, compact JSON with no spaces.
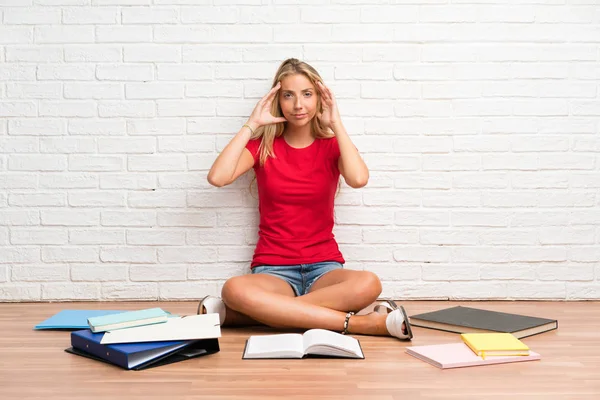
{"x":479,"y":121}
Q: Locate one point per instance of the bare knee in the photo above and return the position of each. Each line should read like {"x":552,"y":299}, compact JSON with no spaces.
{"x":367,"y":289}
{"x":234,"y":292}
{"x":372,"y":285}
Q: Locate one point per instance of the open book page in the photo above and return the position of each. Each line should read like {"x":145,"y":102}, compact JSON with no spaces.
{"x":287,"y":345}
{"x":328,"y":343}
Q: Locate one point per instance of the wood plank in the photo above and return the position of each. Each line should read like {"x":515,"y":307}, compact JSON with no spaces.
{"x":34,"y":364}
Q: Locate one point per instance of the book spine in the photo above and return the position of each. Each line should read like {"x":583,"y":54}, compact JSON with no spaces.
{"x":473,"y":349}
{"x":127,"y":324}
{"x":100,"y":350}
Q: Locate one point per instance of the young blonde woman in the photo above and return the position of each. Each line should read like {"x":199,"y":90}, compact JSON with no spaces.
{"x":297,"y":145}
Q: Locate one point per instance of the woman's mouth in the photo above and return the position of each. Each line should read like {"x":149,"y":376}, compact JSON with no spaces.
{"x":299,"y":116}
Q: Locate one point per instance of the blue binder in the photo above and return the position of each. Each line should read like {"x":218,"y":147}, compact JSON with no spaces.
{"x":137,"y":356}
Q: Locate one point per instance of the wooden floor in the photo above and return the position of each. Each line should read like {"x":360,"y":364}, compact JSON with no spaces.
{"x":33,"y":364}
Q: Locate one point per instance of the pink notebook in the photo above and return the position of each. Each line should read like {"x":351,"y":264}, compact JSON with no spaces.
{"x":455,"y":355}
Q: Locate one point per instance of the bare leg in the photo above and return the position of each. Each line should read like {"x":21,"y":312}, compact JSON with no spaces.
{"x":260,"y":297}
{"x":269,"y":283}
{"x":344,"y":290}
{"x":340,"y":289}
{"x":348,"y":290}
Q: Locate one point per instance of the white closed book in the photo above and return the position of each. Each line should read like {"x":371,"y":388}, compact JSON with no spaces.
{"x":191,"y":327}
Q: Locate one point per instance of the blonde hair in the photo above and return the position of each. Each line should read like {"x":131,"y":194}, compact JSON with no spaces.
{"x":268,"y":133}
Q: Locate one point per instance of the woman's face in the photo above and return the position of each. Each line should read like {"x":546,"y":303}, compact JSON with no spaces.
{"x":298,"y":99}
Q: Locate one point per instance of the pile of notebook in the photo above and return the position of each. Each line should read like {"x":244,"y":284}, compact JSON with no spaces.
{"x":475,"y":349}
{"x":138,"y":339}
{"x":488,"y":337}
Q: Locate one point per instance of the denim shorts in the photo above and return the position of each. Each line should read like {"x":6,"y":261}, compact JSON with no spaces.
{"x":301,"y":276}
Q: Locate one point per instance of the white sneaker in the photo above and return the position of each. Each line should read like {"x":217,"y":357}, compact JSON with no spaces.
{"x":210,"y":305}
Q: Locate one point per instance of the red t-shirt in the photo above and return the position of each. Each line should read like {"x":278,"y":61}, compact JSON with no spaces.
{"x":296,"y":191}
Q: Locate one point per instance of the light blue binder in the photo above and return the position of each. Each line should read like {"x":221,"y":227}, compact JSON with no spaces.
{"x":73,"y":319}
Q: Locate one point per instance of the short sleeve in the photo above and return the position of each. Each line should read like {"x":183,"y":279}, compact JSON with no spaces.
{"x":252,"y":147}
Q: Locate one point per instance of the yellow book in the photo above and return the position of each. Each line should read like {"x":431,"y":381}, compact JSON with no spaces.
{"x":495,"y":344}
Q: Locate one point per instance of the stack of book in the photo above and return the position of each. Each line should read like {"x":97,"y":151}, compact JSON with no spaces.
{"x":137,"y":340}
{"x":488,"y":337}
{"x":475,"y":349}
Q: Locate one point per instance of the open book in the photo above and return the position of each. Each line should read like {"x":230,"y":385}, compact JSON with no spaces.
{"x":314,"y":342}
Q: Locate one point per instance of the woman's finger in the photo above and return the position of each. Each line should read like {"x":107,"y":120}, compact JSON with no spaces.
{"x":271,"y":93}
{"x":274,"y":90}
{"x":322,"y":93}
{"x":325,"y":92}
{"x":328,"y":91}
{"x":269,"y":101}
{"x":321,"y":87}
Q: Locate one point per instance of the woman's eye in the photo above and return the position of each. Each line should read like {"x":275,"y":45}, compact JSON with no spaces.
{"x":308,"y":94}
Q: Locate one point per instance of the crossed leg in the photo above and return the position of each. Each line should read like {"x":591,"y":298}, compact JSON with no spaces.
{"x":262,"y":298}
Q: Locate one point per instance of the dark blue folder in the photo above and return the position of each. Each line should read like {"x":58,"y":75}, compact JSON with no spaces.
{"x":141,"y":355}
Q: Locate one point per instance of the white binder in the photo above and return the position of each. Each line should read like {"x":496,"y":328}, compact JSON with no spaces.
{"x":191,"y":327}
